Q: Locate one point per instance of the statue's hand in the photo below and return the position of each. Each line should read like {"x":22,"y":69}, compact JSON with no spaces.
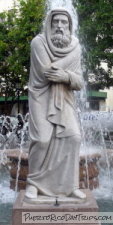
{"x":57,"y":75}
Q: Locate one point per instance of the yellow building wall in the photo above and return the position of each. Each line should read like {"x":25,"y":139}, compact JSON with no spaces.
{"x":109,"y":99}
{"x":102,"y":105}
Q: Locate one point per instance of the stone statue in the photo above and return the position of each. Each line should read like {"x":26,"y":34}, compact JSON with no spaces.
{"x":54,"y":130}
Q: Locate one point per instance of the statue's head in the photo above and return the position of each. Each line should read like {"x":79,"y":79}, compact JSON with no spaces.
{"x":60,"y":28}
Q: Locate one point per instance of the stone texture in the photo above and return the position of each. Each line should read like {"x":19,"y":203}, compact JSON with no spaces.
{"x":21,"y":184}
{"x":89,"y":206}
{"x":92,"y":171}
{"x":91,"y":184}
{"x":22,"y":173}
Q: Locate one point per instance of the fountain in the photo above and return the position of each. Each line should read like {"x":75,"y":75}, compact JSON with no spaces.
{"x":97,"y":152}
{"x":94,"y":146}
{"x":19,"y":150}
{"x":11,"y":129}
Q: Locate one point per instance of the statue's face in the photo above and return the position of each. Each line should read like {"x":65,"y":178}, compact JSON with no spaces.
{"x":60,"y":33}
{"x":60,"y":24}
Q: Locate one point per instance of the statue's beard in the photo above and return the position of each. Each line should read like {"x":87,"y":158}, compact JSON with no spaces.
{"x":61,"y":40}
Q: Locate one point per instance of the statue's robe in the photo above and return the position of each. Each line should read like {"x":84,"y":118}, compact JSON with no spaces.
{"x":53,"y":124}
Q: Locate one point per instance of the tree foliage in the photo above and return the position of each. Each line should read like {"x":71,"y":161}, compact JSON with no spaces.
{"x":96,"y":37}
{"x":17,"y":28}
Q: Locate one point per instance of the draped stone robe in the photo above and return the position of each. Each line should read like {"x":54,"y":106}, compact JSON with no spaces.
{"x":53,"y":126}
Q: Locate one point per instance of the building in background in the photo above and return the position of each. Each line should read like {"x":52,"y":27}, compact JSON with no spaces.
{"x":97,"y":100}
{"x":101,"y":100}
{"x":109,"y":99}
{"x":109,"y":91}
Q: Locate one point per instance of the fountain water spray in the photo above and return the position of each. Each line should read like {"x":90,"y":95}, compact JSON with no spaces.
{"x":19,"y":162}
{"x":94,"y":128}
{"x":12,"y":136}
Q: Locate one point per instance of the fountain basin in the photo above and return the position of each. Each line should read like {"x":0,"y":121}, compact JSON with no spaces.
{"x":88,"y":174}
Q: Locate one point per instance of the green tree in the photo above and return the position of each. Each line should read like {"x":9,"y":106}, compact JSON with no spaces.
{"x":17,"y":28}
{"x":96,"y":36}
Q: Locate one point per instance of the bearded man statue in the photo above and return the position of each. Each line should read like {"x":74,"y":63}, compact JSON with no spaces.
{"x":53,"y":126}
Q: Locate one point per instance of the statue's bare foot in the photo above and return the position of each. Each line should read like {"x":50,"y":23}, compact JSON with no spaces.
{"x":79,"y":194}
{"x":31,"y":192}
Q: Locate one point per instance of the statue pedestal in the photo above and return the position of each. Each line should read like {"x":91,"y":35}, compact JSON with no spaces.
{"x":60,"y":212}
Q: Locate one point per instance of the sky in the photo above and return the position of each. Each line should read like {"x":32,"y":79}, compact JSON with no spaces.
{"x":5,"y":4}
